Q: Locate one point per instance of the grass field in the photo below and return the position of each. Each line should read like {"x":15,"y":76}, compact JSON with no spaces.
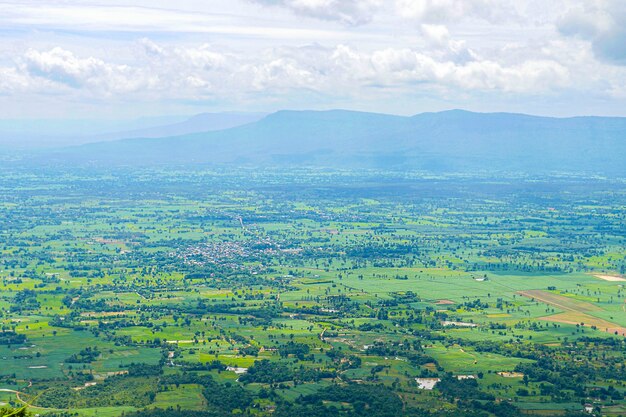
{"x":155,"y":285}
{"x":576,"y":312}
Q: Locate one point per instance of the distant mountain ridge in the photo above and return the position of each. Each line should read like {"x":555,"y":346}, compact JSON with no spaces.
{"x":39,"y":134}
{"x":450,"y":141}
{"x":203,"y":122}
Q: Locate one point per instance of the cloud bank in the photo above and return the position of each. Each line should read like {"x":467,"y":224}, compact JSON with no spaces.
{"x":603,"y":23}
{"x":201,"y":72}
{"x":268,"y":54}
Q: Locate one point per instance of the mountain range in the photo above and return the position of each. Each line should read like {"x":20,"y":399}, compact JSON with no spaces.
{"x":449,"y":141}
{"x":38,"y":134}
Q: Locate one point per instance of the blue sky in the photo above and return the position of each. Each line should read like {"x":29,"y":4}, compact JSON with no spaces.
{"x":124,"y":59}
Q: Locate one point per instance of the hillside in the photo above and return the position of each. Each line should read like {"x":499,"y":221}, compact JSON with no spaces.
{"x":48,"y":134}
{"x":451,"y":141}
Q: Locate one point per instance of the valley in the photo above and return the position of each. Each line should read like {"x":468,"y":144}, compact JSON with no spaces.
{"x":222,"y":291}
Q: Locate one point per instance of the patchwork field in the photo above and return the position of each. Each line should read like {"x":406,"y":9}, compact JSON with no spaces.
{"x":310,"y":293}
{"x":611,"y":278}
{"x":575,"y":312}
{"x":560,"y":301}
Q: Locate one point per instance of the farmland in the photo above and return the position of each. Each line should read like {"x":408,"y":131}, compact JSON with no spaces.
{"x":213,"y":292}
{"x":576,"y":312}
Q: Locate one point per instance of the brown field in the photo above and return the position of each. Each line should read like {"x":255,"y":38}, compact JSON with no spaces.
{"x":431,"y":366}
{"x":575,"y":311}
{"x":578,"y":318}
{"x":103,"y":313}
{"x":543,"y":412}
{"x":562,"y":302}
{"x":617,"y":410}
{"x":511,"y":374}
{"x":444,"y":302}
{"x":611,"y":278}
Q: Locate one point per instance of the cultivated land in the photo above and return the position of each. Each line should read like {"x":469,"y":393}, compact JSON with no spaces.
{"x":611,"y":278}
{"x":575,"y":311}
{"x":310,"y":293}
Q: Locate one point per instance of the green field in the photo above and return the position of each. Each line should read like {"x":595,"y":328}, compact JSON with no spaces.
{"x":296,"y":293}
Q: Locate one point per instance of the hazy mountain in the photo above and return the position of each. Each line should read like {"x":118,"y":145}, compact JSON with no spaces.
{"x":204,"y":122}
{"x":37,"y":134}
{"x":453,"y":141}
{"x":47,"y":133}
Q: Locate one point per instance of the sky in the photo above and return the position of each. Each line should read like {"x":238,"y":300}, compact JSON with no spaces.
{"x":64,"y":59}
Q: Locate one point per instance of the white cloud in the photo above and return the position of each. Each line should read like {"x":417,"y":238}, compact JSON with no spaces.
{"x":442,"y":43}
{"x":150,"y":47}
{"x":351,"y":12}
{"x":441,"y":11}
{"x":182,"y":73}
{"x":356,"y":12}
{"x":601,"y":22}
{"x":397,"y":66}
{"x":90,"y":18}
{"x":63,"y":68}
{"x":237,"y":52}
{"x":11,"y":80}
